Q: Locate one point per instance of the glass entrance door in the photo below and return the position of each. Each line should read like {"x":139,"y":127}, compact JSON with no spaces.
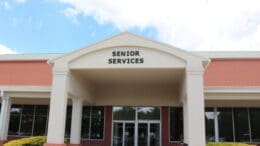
{"x":129,"y":134}
{"x":142,"y":134}
{"x":148,"y":134}
{"x":136,"y":126}
{"x":154,"y":134}
{"x":124,"y":134}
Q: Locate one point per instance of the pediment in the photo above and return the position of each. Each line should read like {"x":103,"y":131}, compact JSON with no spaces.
{"x":127,"y":50}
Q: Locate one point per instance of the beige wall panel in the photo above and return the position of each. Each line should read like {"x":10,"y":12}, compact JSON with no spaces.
{"x":232,"y":103}
{"x":30,"y":101}
{"x":232,"y":96}
{"x":137,"y":95}
{"x":36,"y":95}
{"x":78,"y":87}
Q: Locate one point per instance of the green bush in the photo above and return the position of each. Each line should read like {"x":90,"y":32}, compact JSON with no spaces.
{"x":31,"y":141}
{"x":227,"y":144}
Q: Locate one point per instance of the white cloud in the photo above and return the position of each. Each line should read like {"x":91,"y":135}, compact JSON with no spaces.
{"x":71,"y":13}
{"x":188,"y":24}
{"x":20,"y":1}
{"x":6,"y":4}
{"x":6,"y":50}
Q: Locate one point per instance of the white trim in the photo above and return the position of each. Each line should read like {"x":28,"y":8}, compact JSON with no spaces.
{"x":230,"y":89}
{"x":229,"y":54}
{"x":26,"y":88}
{"x":28,"y":57}
{"x":212,"y":89}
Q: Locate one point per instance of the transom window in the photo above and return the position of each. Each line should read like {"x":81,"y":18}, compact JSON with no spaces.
{"x":126,"y":113}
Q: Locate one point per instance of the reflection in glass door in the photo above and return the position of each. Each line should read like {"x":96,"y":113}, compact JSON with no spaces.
{"x":142,"y":134}
{"x":154,"y":134}
{"x":148,"y":134}
{"x":118,"y":134}
{"x":123,"y":134}
{"x":129,"y":135}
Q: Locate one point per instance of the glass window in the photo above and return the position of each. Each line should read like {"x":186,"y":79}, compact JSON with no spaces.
{"x":68,"y":122}
{"x":85,"y":122}
{"x":148,"y":113}
{"x":209,"y":121}
{"x":40,"y":120}
{"x":15,"y":116}
{"x":241,"y":124}
{"x":41,"y":110}
{"x":123,"y":113}
{"x":27,"y":120}
{"x":225,"y":122}
{"x":176,"y":124}
{"x":97,"y":122}
{"x":92,"y":122}
{"x":255,"y":126}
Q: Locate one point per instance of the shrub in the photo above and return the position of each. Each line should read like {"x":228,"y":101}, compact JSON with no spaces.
{"x":227,"y":144}
{"x":31,"y":141}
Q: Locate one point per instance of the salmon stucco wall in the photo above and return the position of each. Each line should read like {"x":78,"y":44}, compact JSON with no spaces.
{"x":25,"y":73}
{"x":233,"y":72}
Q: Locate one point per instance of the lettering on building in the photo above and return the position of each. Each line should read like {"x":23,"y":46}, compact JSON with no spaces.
{"x":126,"y":57}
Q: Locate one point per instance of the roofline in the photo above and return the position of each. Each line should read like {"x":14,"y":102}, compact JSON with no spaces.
{"x":29,"y":57}
{"x":205,"y":54}
{"x":229,"y":54}
{"x":51,"y":61}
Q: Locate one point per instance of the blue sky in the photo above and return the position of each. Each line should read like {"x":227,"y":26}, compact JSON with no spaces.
{"x":41,"y":27}
{"x":57,"y":26}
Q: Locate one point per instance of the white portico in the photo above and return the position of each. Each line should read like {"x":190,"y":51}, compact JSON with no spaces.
{"x":127,"y":70}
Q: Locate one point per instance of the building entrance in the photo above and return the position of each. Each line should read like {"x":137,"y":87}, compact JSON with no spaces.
{"x":149,"y":134}
{"x":136,"y":126}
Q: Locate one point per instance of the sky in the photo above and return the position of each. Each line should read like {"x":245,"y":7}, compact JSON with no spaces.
{"x":60,"y":26}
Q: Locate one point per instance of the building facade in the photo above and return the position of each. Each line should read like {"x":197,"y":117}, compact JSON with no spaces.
{"x":131,"y":91}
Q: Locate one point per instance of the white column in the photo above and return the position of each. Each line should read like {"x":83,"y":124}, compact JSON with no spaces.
{"x":194,"y":120}
{"x":5,"y":117}
{"x":75,"y":134}
{"x":58,"y":108}
{"x":216,"y":124}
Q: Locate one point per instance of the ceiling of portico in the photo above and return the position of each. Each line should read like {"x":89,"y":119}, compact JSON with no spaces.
{"x":135,"y":87}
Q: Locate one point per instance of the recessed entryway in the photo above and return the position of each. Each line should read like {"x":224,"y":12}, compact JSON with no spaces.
{"x":136,"y":126}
